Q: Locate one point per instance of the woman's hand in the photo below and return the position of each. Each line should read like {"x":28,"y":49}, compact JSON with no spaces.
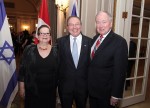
{"x":21,"y":89}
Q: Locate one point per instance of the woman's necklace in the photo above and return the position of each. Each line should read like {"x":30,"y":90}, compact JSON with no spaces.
{"x":43,"y":48}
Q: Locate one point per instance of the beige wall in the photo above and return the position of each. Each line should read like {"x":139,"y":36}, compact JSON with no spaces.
{"x":89,"y":9}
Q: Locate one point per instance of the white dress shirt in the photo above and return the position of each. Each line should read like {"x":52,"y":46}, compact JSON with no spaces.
{"x":104,"y":36}
{"x":78,"y":40}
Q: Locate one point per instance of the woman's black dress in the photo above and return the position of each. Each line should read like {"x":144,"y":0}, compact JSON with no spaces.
{"x":42,"y":92}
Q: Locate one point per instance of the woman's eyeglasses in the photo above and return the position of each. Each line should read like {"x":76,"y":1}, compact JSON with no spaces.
{"x":47,"y":34}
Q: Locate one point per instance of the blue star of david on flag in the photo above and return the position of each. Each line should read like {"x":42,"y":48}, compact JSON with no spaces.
{"x":8,"y":57}
{"x":8,"y":76}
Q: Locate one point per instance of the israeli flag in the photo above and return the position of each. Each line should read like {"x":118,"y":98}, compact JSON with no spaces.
{"x":8,"y":78}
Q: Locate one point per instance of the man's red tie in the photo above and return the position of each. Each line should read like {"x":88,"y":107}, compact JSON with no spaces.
{"x":98,"y":42}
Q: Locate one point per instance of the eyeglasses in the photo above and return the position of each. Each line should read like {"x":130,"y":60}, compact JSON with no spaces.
{"x":47,"y":34}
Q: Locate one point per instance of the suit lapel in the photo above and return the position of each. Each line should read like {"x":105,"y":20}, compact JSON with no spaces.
{"x":105,"y":42}
{"x":68,"y":50}
{"x":82,"y":51}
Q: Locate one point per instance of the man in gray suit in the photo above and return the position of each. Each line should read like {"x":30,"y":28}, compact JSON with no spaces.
{"x":73,"y":71}
{"x":108,"y":67}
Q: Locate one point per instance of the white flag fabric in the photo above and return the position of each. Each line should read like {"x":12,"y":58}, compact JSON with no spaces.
{"x":73,"y":8}
{"x":43,"y":16}
{"x":8,"y":77}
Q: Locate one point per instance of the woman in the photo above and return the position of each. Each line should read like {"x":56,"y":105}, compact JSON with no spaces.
{"x":38,"y":72}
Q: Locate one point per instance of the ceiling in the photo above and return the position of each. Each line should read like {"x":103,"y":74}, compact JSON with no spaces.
{"x":35,"y":3}
{"x":136,"y":6}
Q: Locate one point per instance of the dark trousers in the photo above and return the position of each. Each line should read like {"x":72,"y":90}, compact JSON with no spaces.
{"x":100,"y":102}
{"x":67,"y":99}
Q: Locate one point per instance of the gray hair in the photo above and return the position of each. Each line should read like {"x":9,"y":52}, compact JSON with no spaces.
{"x":109,"y":15}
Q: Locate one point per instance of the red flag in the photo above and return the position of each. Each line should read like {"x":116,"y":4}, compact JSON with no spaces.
{"x":43,"y":17}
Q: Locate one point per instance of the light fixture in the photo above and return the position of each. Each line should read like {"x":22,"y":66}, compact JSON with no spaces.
{"x":36,"y":25}
{"x":25,"y":27}
{"x":10,"y":26}
{"x":62,"y":5}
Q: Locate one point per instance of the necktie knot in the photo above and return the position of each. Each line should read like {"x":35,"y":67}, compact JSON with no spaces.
{"x":98,"y":42}
{"x":101,"y":36}
{"x":74,"y":39}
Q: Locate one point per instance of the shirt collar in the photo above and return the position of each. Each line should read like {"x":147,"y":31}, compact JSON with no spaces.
{"x":77,"y":37}
{"x":106,"y":33}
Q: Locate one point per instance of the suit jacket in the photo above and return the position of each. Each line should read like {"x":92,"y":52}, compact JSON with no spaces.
{"x":107,"y":70}
{"x":70,"y":77}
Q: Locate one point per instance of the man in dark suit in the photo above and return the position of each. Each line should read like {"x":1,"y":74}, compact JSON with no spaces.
{"x":73,"y":74}
{"x":107,"y":70}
